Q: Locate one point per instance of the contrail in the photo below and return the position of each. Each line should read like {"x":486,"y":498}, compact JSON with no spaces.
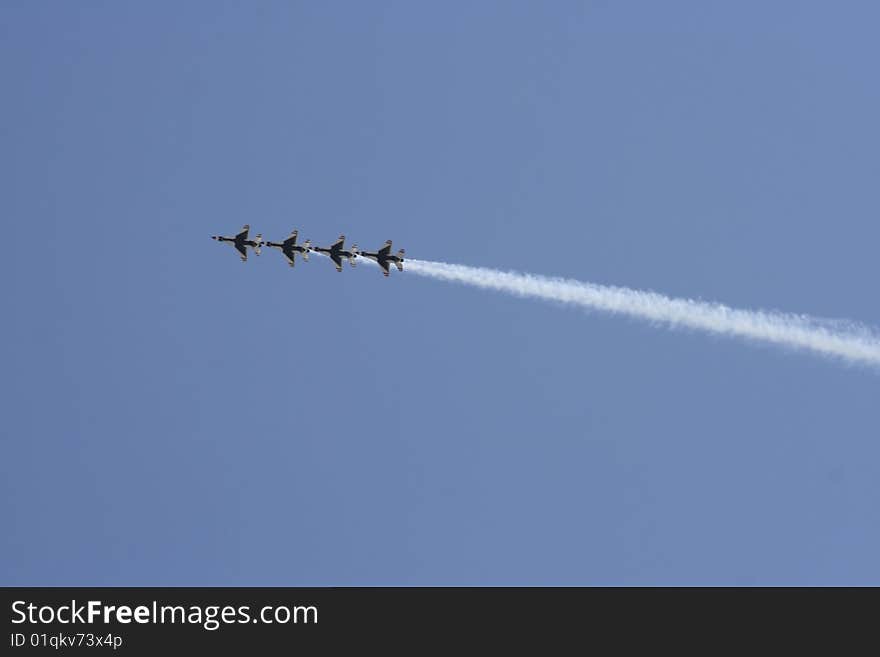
{"x":848,"y":341}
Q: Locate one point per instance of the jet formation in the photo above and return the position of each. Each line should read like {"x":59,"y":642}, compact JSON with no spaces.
{"x":336,"y":252}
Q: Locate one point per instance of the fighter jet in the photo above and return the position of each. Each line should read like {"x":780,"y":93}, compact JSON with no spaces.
{"x":289,"y":248}
{"x":383,"y":256}
{"x":241,"y":242}
{"x":336,"y":252}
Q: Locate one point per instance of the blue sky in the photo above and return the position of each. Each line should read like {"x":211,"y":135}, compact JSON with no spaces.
{"x":174,"y":417}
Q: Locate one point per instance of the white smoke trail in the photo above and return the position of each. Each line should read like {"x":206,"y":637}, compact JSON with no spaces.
{"x":848,"y":341}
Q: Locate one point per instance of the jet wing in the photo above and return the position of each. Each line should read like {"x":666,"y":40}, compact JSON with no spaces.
{"x":384,"y":265}
{"x":241,"y":248}
{"x":339,"y":243}
{"x":291,"y":241}
{"x":337,"y":261}
{"x":385,"y":250}
{"x":243,"y":235}
{"x":291,"y":257}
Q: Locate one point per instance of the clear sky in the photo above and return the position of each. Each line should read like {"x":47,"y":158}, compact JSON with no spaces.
{"x":175,"y":417}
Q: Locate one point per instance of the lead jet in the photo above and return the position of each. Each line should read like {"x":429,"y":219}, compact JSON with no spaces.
{"x":290,"y":248}
{"x":241,"y":242}
{"x":384,"y":256}
{"x":336,"y":252}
